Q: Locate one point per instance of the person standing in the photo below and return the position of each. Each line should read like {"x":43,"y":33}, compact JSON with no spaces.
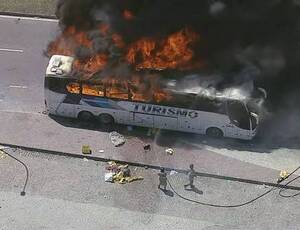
{"x":162,"y":175}
{"x":191,"y":175}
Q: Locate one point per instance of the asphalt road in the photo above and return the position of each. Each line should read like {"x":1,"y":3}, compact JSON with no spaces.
{"x":68,"y":193}
{"x":22,"y":63}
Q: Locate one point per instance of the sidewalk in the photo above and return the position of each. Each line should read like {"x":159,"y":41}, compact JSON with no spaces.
{"x":42,"y":132}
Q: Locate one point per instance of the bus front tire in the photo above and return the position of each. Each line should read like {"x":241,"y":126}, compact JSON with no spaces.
{"x":214,"y":132}
{"x":85,"y":116}
{"x":106,"y":119}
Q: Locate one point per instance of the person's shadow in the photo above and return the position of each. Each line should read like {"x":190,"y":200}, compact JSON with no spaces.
{"x":194,"y":189}
{"x":167,"y":192}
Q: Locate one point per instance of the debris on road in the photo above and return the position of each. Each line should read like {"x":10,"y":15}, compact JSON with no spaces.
{"x":282,"y":176}
{"x":147,"y":147}
{"x":262,"y":186}
{"x":108,"y":177}
{"x":114,"y":167}
{"x":85,"y":159}
{"x":173,"y":172}
{"x":117,"y":139}
{"x":86,"y":149}
{"x":2,"y":154}
{"x":170,"y":151}
{"x":121,"y":179}
{"x":119,"y":173}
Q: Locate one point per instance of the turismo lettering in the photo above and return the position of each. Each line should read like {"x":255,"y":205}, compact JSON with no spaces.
{"x":154,"y":109}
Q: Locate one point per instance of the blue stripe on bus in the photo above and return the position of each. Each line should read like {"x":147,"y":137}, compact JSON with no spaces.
{"x":102,"y":103}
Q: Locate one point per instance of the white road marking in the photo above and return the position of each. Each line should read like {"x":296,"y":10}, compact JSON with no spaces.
{"x":11,"y":50}
{"x":29,"y":18}
{"x":18,"y":86}
{"x":23,"y":112}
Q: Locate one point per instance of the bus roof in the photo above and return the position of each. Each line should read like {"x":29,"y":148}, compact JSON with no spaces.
{"x":60,"y":66}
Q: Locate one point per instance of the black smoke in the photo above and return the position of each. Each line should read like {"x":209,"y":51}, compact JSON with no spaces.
{"x":233,"y":35}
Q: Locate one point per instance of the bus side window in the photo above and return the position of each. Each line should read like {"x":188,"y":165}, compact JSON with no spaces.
{"x":93,"y":90}
{"x":73,"y":87}
{"x":57,"y":85}
{"x":209,"y":105}
{"x":182,"y":101}
{"x":238,"y":114}
{"x":118,"y":91}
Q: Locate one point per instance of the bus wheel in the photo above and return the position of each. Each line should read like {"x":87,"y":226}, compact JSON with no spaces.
{"x":106,"y":119}
{"x":214,"y":132}
{"x":85,"y":116}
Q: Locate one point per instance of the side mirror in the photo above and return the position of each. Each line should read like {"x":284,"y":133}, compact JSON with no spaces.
{"x":254,"y":115}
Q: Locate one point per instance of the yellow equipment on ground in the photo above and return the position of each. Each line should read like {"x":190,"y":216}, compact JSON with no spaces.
{"x":86,"y":149}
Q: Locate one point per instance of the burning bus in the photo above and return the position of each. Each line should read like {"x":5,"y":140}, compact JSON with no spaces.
{"x":156,"y":104}
{"x":124,"y":62}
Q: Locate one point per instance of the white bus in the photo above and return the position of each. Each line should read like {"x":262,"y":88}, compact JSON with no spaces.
{"x":125,"y":103}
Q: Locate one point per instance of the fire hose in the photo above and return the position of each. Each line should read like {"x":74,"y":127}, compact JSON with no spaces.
{"x":244,"y":203}
{"x":23,"y":192}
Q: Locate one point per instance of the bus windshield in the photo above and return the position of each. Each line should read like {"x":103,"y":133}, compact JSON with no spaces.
{"x":238,"y":114}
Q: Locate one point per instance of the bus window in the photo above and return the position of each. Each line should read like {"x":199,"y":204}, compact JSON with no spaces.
{"x":209,"y":105}
{"x":93,"y":90}
{"x":118,"y":91}
{"x":238,"y":114}
{"x":181,"y":101}
{"x":57,"y":85}
{"x":73,"y":87}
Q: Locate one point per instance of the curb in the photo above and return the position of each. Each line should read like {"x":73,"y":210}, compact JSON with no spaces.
{"x":27,"y":15}
{"x":220,"y":177}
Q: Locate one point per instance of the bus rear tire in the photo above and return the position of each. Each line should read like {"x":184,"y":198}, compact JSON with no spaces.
{"x":106,"y":119}
{"x":214,"y":132}
{"x":85,"y":116}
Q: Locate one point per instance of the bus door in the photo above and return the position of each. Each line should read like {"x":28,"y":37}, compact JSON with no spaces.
{"x":164,"y":122}
{"x":239,"y":125}
{"x":62,"y":96}
{"x":141,"y":119}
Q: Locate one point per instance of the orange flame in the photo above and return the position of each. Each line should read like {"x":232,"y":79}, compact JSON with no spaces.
{"x":171,"y":53}
{"x":118,"y":40}
{"x":90,"y":66}
{"x":104,"y":29}
{"x":69,"y":40}
{"x":123,"y":90}
{"x":128,"y":15}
